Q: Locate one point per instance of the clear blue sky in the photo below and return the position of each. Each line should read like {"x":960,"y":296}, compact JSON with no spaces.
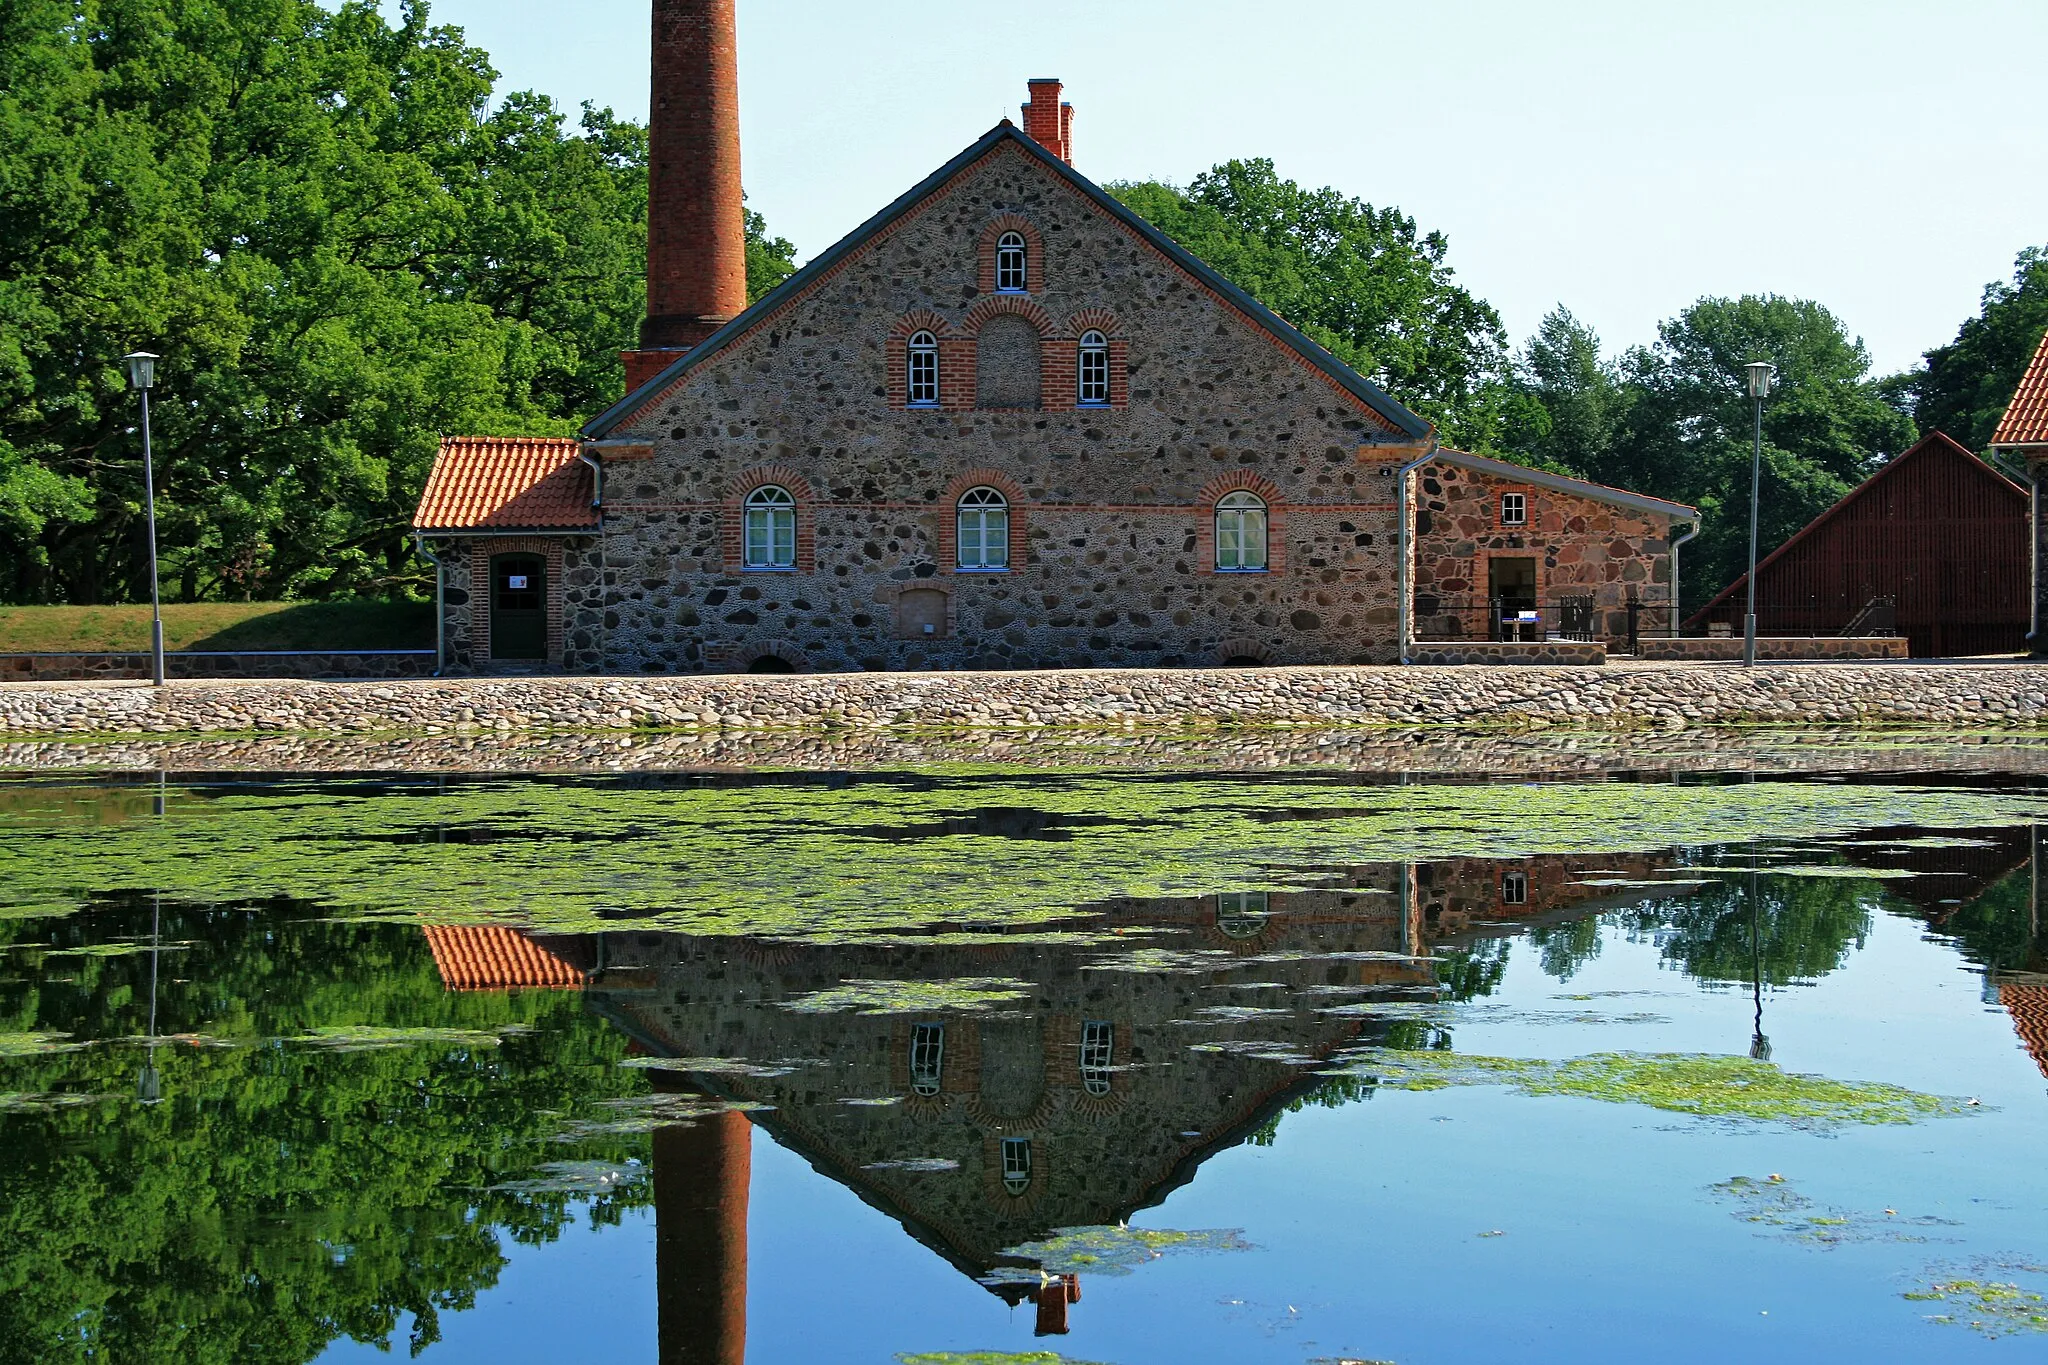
{"x":1623,"y":157}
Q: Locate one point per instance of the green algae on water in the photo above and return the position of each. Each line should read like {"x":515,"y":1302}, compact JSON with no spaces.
{"x":970,"y":994}
{"x":36,"y":1044}
{"x":580,"y":1178}
{"x":1715,"y":1087}
{"x":369,"y":1037}
{"x":1779,"y":1210}
{"x":1109,"y":1249}
{"x":1973,"y":1298}
{"x":991,"y":1358}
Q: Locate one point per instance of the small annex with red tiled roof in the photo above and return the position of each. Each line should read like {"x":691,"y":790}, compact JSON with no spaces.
{"x":2027,"y":1002}
{"x":2026,"y":418}
{"x":492,"y":957}
{"x":507,"y":483}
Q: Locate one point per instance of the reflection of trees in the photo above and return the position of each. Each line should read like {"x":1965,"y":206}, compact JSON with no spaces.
{"x":1564,"y":948}
{"x":1808,"y":925}
{"x":1998,"y":928}
{"x":1470,"y":972}
{"x":280,"y":1196}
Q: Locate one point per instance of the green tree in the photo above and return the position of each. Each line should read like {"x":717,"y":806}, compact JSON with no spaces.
{"x":1576,"y":399}
{"x":1363,"y":281}
{"x":342,"y":252}
{"x":1686,"y":434}
{"x":1964,"y":387}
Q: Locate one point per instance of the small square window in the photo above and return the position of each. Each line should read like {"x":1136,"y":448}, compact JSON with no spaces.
{"x":1514,"y":888}
{"x":1514,"y":509}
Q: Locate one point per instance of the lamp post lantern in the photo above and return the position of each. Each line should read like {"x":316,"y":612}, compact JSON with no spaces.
{"x":141,"y":378}
{"x":1760,"y":374}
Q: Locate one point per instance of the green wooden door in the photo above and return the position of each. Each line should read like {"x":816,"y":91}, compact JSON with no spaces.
{"x":519,"y":610}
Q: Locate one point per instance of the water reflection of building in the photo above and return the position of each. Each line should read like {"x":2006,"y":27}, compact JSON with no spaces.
{"x":1179,"y":1026}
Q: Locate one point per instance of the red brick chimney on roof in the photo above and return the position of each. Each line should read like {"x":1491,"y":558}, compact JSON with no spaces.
{"x":696,"y":237}
{"x":1048,"y":122}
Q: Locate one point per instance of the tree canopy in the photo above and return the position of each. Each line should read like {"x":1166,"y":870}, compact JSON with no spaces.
{"x":1964,"y":387}
{"x":340,"y":247}
{"x":1363,"y":281}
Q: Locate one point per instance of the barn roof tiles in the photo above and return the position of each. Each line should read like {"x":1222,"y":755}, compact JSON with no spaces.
{"x":507,"y":483}
{"x":2026,"y":418}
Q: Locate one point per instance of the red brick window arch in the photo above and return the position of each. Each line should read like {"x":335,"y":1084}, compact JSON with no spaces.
{"x":768,"y":524}
{"x":1242,"y":518}
{"x":1012,"y":256}
{"x":1088,"y":366}
{"x":924,"y":355}
{"x":983,"y":523}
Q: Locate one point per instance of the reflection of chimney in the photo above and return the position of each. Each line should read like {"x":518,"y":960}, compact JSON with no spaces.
{"x":1054,"y":1294}
{"x":701,"y":1172}
{"x":696,"y":237}
{"x":1048,"y":122}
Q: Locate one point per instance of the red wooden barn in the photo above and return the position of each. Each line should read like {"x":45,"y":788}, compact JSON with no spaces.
{"x":1937,"y":530}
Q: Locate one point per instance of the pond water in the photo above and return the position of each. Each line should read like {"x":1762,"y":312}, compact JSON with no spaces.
{"x":983,"y":1061}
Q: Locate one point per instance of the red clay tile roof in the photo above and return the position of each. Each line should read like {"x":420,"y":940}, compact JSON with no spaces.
{"x":506,"y":483}
{"x":491,"y":957}
{"x":2026,"y":418}
{"x":2028,"y":1004}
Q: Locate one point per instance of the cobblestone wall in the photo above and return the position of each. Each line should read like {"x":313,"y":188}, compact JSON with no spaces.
{"x":1625,"y":695}
{"x":1776,"y":647}
{"x":384,"y":663}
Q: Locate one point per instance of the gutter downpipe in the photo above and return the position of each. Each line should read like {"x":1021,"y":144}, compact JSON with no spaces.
{"x":419,"y":541}
{"x":1677,"y":611}
{"x":604,"y":573}
{"x":1407,"y":602}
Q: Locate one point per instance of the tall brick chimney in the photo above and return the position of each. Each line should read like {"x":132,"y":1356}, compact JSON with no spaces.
{"x":1048,"y":122}
{"x":696,"y":239}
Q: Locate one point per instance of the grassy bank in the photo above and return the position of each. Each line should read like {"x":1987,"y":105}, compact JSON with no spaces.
{"x":220,"y":626}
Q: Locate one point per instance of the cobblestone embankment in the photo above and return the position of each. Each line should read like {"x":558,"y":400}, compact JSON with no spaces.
{"x":1948,"y":696}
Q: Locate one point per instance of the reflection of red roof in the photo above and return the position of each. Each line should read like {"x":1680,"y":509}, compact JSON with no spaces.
{"x":491,"y":957}
{"x":2026,"y":418}
{"x":508,"y":483}
{"x":2028,"y":1005}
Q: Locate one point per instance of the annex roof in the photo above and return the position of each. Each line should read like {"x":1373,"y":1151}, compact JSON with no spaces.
{"x":2026,"y":418}
{"x":1561,"y":483}
{"x":507,"y":483}
{"x":1933,"y":444}
{"x":496,"y":957}
{"x":2027,"y":1002}
{"x":1397,"y":416}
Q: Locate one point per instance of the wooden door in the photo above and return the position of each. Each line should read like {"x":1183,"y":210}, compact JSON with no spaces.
{"x":519,"y":611}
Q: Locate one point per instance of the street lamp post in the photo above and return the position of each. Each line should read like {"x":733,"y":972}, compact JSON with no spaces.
{"x":1760,"y":374}
{"x":141,"y":378}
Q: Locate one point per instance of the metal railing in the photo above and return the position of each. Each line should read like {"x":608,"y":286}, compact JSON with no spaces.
{"x":1507,"y":618}
{"x":1877,"y":617}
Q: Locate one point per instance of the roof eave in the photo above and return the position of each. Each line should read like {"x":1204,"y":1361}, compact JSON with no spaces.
{"x":590,"y":530}
{"x":1368,"y":393}
{"x":1563,"y":483}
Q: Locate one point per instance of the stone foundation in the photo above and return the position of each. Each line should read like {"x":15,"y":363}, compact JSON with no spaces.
{"x":1953,"y":696}
{"x":378,"y":663}
{"x":1578,"y":653}
{"x":1698,"y":649}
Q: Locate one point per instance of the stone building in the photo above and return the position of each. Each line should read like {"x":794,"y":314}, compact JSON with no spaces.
{"x":1005,"y":423}
{"x":2023,"y":434}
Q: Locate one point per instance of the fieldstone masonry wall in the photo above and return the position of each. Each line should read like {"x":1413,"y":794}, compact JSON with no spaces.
{"x":1618,"y":695}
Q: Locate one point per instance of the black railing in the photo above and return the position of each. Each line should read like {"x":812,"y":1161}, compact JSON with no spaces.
{"x":1876,"y":617}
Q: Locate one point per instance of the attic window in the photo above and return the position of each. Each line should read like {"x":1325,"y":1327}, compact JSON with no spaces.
{"x":1514,"y":509}
{"x":1514,"y":888}
{"x":1010,"y":278}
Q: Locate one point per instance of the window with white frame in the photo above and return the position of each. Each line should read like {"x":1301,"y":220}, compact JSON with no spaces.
{"x":1098,"y":1045}
{"x":770,"y":528}
{"x":1010,"y":263}
{"x":1016,"y":1165}
{"x":1092,"y":378}
{"x":927,"y":1057}
{"x":984,"y":530}
{"x":1242,"y":914}
{"x":1514,"y":509}
{"x":921,"y":371}
{"x":1514,"y":888}
{"x":1241,"y":533}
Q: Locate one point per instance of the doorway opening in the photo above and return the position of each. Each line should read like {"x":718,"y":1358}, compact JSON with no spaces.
{"x":519,"y":612}
{"x":1511,"y":593}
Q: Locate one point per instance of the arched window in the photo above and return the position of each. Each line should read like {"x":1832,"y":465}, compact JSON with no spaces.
{"x":1098,"y":1045}
{"x":984,"y":539}
{"x":1242,"y":914}
{"x":770,"y":529}
{"x":927,"y":1057}
{"x":921,"y":378}
{"x":1241,"y":534}
{"x":1010,"y":263}
{"x":1016,"y":1165}
{"x":1092,"y":380}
